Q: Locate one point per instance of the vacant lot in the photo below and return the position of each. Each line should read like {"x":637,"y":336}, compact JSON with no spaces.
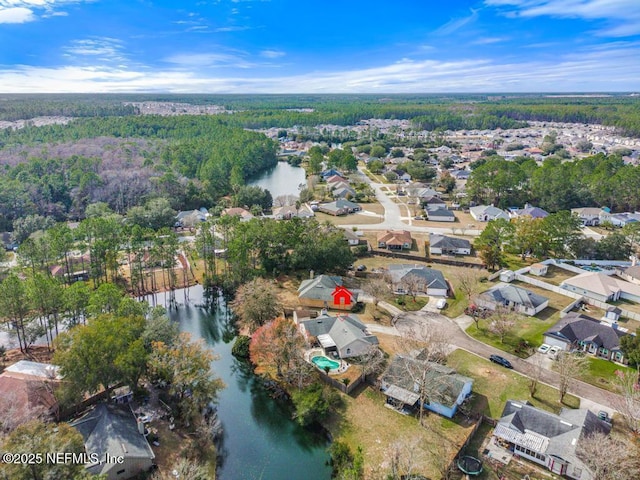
{"x":351,"y":219}
{"x":494,"y":385}
{"x":368,"y":424}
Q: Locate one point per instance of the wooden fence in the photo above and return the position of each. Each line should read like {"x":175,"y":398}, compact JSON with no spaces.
{"x":420,"y":258}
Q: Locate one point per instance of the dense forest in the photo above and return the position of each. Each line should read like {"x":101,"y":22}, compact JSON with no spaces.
{"x":447,"y":112}
{"x":192,"y":160}
{"x":557,"y":185}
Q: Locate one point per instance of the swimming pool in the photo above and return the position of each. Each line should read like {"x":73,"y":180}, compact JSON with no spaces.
{"x":321,"y":362}
{"x":590,"y":268}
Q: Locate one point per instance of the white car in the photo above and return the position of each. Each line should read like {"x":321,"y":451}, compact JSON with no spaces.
{"x":441,"y":303}
{"x":553,"y":352}
{"x":544,"y":348}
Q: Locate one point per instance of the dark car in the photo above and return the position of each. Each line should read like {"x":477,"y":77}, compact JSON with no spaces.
{"x":361,"y":268}
{"x":501,"y":361}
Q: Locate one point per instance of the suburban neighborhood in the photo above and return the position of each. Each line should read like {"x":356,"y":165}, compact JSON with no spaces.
{"x":433,"y":315}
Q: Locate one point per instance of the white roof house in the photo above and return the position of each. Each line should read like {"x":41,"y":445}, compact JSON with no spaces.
{"x":486,"y":213}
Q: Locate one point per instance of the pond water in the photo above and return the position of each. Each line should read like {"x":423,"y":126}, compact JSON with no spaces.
{"x":283,"y":179}
{"x":260,"y":440}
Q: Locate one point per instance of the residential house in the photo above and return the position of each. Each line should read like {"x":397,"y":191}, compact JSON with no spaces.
{"x":345,"y":335}
{"x":439,"y":213}
{"x":113,"y":430}
{"x":395,"y":240}
{"x":352,"y":237}
{"x":622,"y":219}
{"x":592,"y":216}
{"x":630,"y":274}
{"x":578,"y":331}
{"x":443,"y":245}
{"x":443,"y":390}
{"x":330,"y":173}
{"x":8,"y":242}
{"x":333,"y":179}
{"x":602,"y":287}
{"x":432,"y":200}
{"x":515,"y":298}
{"x":288,"y":212}
{"x":461,"y":174}
{"x":539,"y":269}
{"x":419,"y":280}
{"x":190,"y":218}
{"x":547,"y":439}
{"x":418,"y":194}
{"x":26,"y":389}
{"x":343,"y":191}
{"x":528,"y":212}
{"x":326,"y":291}
{"x":243,"y":213}
{"x":339,"y":207}
{"x":486,"y":213}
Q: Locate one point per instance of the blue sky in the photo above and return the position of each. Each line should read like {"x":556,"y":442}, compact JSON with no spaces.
{"x":329,"y":46}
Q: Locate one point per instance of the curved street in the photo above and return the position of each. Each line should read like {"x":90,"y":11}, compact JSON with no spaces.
{"x":591,"y":396}
{"x":393,"y":218}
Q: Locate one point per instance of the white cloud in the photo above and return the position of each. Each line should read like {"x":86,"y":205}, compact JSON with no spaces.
{"x":22,"y":11}
{"x":624,"y":15}
{"x":16,"y":15}
{"x":610,"y":68}
{"x":489,"y":40}
{"x":272,"y":53}
{"x":456,"y":24}
{"x":208,"y":60}
{"x":103,"y":49}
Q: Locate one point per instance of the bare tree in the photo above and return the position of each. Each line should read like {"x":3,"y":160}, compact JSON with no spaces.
{"x":534,"y":376}
{"x":285,"y":200}
{"x":371,"y":362}
{"x":568,"y":366}
{"x":609,"y":457}
{"x":14,"y":411}
{"x":467,"y":280}
{"x":186,"y":469}
{"x":256,"y":303}
{"x":378,"y":288}
{"x":502,"y":322}
{"x":404,"y":457}
{"x":412,"y":285}
{"x":629,"y":401}
{"x":442,"y":455}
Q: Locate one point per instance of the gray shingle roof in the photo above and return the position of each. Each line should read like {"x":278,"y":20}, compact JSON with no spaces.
{"x":545,"y":432}
{"x":432,"y":278}
{"x":343,"y":329}
{"x":442,"y":241}
{"x":443,"y":384}
{"x":510,"y":293}
{"x":112,"y":429}
{"x":319,"y":288}
{"x":575,"y":327}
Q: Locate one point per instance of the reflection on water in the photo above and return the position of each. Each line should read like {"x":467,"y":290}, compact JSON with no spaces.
{"x":283,"y":179}
{"x":260,"y":441}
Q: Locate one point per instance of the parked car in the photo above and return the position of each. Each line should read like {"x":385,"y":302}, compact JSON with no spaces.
{"x":361,"y":268}
{"x":441,"y":303}
{"x":418,"y":217}
{"x":553,"y":352}
{"x":501,"y":361}
{"x":544,"y":348}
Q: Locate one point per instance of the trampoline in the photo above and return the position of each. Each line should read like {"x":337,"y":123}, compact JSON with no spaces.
{"x":470,"y":465}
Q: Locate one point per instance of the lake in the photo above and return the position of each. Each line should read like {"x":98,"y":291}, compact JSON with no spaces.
{"x":283,"y":179}
{"x":260,"y":440}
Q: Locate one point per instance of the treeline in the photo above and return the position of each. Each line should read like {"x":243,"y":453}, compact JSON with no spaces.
{"x":196,"y":161}
{"x":25,"y":107}
{"x":620,"y":112}
{"x":556,"y":185}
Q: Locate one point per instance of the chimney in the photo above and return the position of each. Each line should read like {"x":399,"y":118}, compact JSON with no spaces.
{"x":311,"y":273}
{"x":140,"y":427}
{"x":634,"y":260}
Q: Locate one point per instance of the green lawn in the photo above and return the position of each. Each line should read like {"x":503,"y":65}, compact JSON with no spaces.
{"x":530,"y":329}
{"x":601,"y":373}
{"x":456,"y":305}
{"x":493,"y":385}
{"x":408,"y":304}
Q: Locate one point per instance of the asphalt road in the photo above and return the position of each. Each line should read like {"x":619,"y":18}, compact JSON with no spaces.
{"x":596,"y":398}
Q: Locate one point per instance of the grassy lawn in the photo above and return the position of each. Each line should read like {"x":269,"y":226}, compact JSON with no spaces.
{"x":627,"y":305}
{"x":456,"y":305}
{"x":493,"y":385}
{"x":530,"y":329}
{"x":368,"y":424}
{"x":556,"y":275}
{"x":352,"y":219}
{"x":601,"y":373}
{"x":408,"y":304}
